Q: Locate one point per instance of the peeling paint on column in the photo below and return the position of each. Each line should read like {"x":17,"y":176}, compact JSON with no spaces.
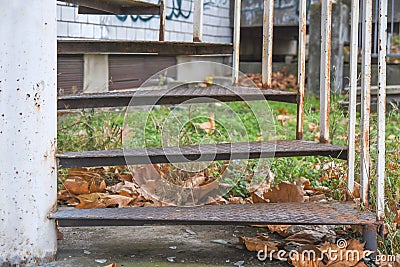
{"x":28,"y":177}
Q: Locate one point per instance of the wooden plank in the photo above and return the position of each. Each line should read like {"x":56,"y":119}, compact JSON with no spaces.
{"x":334,"y":213}
{"x":141,"y":47}
{"x":172,"y":96}
{"x":208,"y":152}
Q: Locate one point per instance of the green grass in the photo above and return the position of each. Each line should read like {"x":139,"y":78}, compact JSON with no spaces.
{"x":89,"y":130}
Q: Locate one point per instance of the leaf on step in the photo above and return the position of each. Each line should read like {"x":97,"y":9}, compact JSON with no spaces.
{"x":195,"y":181}
{"x":64,"y":196}
{"x":76,"y":186}
{"x":92,"y":201}
{"x":216,"y":201}
{"x":285,"y":192}
{"x":119,"y":201}
{"x":256,"y":198}
{"x":97,"y":187}
{"x":126,"y":177}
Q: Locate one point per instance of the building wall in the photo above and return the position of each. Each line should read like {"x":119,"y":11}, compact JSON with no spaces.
{"x":179,"y":25}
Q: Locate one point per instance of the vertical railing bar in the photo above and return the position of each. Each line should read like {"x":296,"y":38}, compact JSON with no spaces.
{"x":392,"y":19}
{"x":360,"y":25}
{"x":380,"y":183}
{"x":366,"y":100}
{"x":355,"y":16}
{"x":325,"y":78}
{"x":198,"y":12}
{"x":163,"y":12}
{"x":268,"y":31}
{"x":236,"y":41}
{"x":376,"y":28}
{"x":301,"y":67}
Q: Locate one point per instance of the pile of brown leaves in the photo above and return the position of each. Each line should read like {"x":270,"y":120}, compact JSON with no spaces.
{"x":85,"y":188}
{"x":281,"y":80}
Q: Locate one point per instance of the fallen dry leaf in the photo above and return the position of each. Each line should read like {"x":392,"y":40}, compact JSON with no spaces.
{"x":285,"y":192}
{"x":91,"y":201}
{"x":313,"y":127}
{"x":209,"y":126}
{"x":111,"y":265}
{"x":77,"y":186}
{"x":279,"y":229}
{"x":119,"y":201}
{"x":258,"y":243}
{"x":283,"y":119}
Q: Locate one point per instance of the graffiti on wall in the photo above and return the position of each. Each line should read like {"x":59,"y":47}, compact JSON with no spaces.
{"x":177,"y":11}
{"x":286,"y":12}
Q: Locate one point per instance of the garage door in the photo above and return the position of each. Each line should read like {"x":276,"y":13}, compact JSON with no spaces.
{"x":130,"y":71}
{"x":69,"y":74}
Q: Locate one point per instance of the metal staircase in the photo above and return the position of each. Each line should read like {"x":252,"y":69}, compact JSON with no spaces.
{"x":269,"y":213}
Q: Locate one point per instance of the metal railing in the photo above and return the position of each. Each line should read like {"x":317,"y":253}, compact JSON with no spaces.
{"x":367,"y":49}
{"x":378,"y":45}
{"x":393,"y":33}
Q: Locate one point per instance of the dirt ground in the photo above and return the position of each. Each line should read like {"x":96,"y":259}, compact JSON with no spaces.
{"x":147,"y":246}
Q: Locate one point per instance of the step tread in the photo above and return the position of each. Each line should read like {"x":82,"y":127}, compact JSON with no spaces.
{"x":311,"y":213}
{"x":116,"y":7}
{"x":172,"y":96}
{"x":139,"y":47}
{"x":209,"y":152}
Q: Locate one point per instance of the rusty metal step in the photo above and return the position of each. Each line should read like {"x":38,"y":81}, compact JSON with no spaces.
{"x":203,"y":152}
{"x":140,"y":47}
{"x":310,"y":213}
{"x":116,"y":7}
{"x":173,"y":96}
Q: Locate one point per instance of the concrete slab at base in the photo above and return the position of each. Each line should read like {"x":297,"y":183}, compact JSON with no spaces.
{"x":150,"y":246}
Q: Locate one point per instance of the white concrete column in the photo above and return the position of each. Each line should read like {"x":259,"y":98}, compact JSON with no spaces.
{"x":28,"y":175}
{"x":95,"y":77}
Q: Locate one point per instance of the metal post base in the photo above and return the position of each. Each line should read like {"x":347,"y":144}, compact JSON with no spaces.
{"x":370,"y":237}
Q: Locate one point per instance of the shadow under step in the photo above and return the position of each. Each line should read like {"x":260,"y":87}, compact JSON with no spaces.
{"x":311,"y":213}
{"x":140,"y":47}
{"x":203,"y":152}
{"x":173,"y":96}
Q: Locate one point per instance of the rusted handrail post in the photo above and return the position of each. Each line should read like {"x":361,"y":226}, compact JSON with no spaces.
{"x":163,"y":9}
{"x":28,"y":125}
{"x":355,"y":16}
{"x":236,"y":41}
{"x":382,"y":44}
{"x":301,"y":68}
{"x":325,"y":78}
{"x":268,"y":32}
{"x":365,"y":98}
{"x":198,"y":20}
